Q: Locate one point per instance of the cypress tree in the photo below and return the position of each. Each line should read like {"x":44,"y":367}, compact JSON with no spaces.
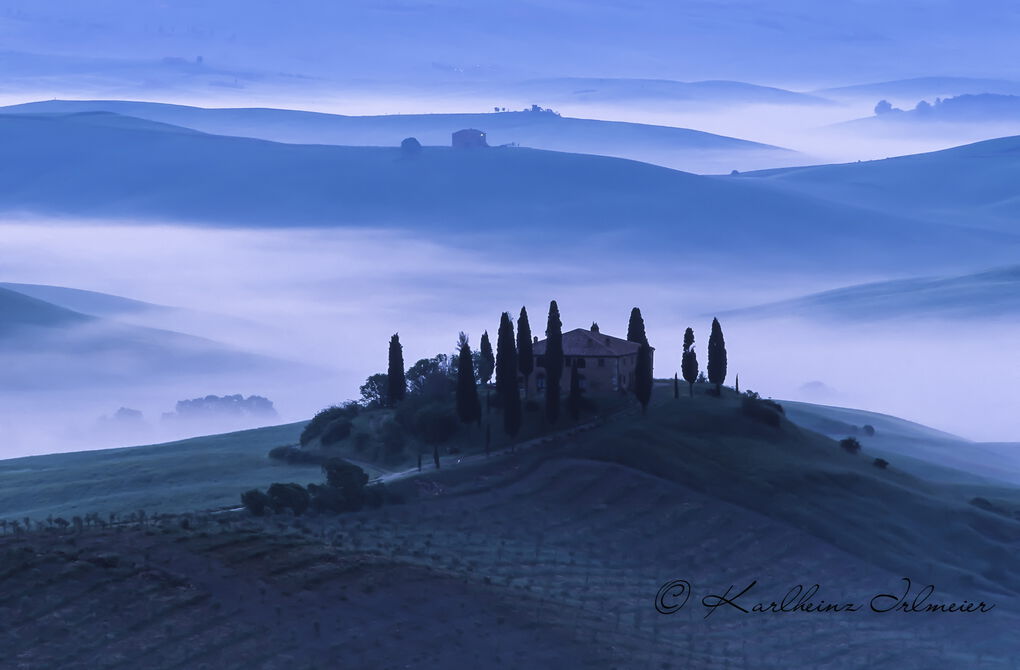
{"x":525,"y":348}
{"x":553,"y":363}
{"x":676,"y":386}
{"x":468,"y":408}
{"x":689,"y":362}
{"x":506,"y":376}
{"x":636,"y":327}
{"x":643,"y":376}
{"x":716,"y":356}
{"x":396,"y":383}
{"x":574,"y":399}
{"x":486,"y":366}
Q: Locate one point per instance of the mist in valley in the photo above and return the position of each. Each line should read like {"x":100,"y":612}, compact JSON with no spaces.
{"x":321,"y":305}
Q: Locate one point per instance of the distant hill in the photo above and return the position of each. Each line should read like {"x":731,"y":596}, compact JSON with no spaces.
{"x":19,"y":312}
{"x":923,"y":88}
{"x":987,"y":295}
{"x":85,"y":302}
{"x":679,"y":148}
{"x":90,"y":165}
{"x":696,"y":93}
{"x":45,"y":346}
{"x":971,"y":185}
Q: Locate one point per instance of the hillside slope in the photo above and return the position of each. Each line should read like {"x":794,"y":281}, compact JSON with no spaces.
{"x":972,"y":185}
{"x":679,"y":148}
{"x":71,"y":165}
{"x":993,"y":295}
{"x":568,"y":541}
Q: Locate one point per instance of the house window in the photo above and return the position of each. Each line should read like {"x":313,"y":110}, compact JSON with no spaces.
{"x":540,"y":361}
{"x":582,"y":382}
{"x":602,"y":362}
{"x":582,"y":362}
{"x":566,"y":361}
{"x":540,"y":382}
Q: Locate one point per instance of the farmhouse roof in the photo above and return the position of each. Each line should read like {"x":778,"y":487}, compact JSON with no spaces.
{"x":585,"y":342}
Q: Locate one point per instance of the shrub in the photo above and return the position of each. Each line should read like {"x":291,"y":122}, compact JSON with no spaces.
{"x":339,"y":430}
{"x":850,"y":444}
{"x":761,"y":410}
{"x":869,"y":430}
{"x":342,"y":474}
{"x":289,"y":496}
{"x":295,"y":455}
{"x":881,"y":463}
{"x":256,"y":501}
{"x":435,"y":423}
{"x":322,"y":419}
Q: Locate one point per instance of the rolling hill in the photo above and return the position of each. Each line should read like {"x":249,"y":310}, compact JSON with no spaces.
{"x":990,"y":296}
{"x":105,"y":165}
{"x":46,"y":346}
{"x":678,"y":148}
{"x":970,"y":185}
{"x":91,"y":303}
{"x":539,"y":558}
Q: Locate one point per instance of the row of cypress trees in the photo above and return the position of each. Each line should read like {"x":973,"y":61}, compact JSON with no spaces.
{"x":515,"y":355}
{"x":716,"y":360}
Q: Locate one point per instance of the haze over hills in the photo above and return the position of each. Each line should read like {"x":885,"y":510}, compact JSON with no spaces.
{"x":679,"y":148}
{"x":972,"y":185}
{"x":918,"y":88}
{"x":91,"y":303}
{"x":992,"y":295}
{"x":46,"y":346}
{"x":586,"y":90}
{"x":451,"y":40}
{"x":105,"y":165}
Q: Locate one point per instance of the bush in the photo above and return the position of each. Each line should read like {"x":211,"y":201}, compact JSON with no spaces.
{"x":763,"y":411}
{"x":337,"y":431}
{"x":289,"y":496}
{"x":435,"y":423}
{"x":317,"y":426}
{"x":881,"y":463}
{"x":256,"y":501}
{"x":869,"y":430}
{"x":295,"y":455}
{"x":850,"y":444}
{"x":342,"y":474}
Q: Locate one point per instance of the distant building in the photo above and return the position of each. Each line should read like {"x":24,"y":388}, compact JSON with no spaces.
{"x":604,"y":363}
{"x":469,"y":138}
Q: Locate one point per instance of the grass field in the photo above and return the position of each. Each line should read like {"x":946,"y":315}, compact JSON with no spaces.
{"x":549,"y":557}
{"x":200,"y":473}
